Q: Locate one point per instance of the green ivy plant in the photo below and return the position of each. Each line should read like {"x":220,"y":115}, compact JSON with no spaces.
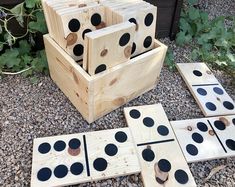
{"x":212,"y":41}
{"x":18,"y":53}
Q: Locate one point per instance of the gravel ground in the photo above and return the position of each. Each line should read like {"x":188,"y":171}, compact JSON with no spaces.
{"x":29,"y":111}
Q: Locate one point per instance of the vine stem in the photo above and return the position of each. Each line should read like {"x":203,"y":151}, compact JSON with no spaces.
{"x":16,"y":73}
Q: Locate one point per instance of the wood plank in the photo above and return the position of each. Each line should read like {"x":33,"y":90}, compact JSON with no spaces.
{"x":74,"y":82}
{"x":211,"y":97}
{"x":98,"y":155}
{"x":109,"y":47}
{"x":84,"y":16}
{"x":117,"y":85}
{"x":145,"y":34}
{"x":160,"y":156}
{"x":205,"y":138}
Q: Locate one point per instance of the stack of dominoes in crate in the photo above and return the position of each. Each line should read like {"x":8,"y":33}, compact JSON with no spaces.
{"x":101,"y":34}
{"x":95,"y":48}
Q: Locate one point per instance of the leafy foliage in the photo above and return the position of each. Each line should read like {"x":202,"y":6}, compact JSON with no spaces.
{"x":213,"y":41}
{"x":18,"y":51}
{"x":169,"y":60}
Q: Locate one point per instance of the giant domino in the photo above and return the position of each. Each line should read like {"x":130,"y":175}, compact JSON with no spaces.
{"x":208,"y":92}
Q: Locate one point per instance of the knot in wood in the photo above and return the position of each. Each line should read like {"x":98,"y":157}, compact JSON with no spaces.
{"x":211,"y":132}
{"x":82,"y":5}
{"x":224,"y":120}
{"x":189,"y":128}
{"x":101,"y":25}
{"x":71,"y":39}
{"x":127,"y":51}
{"x":104,"y":52}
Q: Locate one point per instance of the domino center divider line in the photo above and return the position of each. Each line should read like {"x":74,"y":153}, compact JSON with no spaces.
{"x":205,"y":84}
{"x":217,"y":136}
{"x":86,"y":156}
{"x":156,"y":142}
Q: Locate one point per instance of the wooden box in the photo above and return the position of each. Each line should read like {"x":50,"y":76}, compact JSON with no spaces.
{"x":94,"y":96}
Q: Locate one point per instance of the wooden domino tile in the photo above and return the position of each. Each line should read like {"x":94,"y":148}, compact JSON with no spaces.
{"x":76,"y":25}
{"x":206,"y":138}
{"x":108,"y":47}
{"x":84,"y":157}
{"x":145,"y":21}
{"x":207,"y":91}
{"x":161,"y":160}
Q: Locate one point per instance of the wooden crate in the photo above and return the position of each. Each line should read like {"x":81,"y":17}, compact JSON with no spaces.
{"x":94,"y":96}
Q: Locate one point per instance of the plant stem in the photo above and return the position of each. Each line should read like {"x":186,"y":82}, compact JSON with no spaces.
{"x":16,"y":73}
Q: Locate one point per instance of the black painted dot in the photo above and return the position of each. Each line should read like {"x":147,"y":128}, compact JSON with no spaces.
{"x":148,"y":41}
{"x":230,"y":144}
{"x":210,"y":106}
{"x":181,"y":176}
{"x":202,"y":126}
{"x":197,"y":73}
{"x":197,"y":137}
{"x":74,"y":25}
{"x":218,"y":90}
{"x":59,"y":145}
{"x":100,"y":164}
{"x":121,"y":136}
{"x":148,"y":19}
{"x":219,"y":125}
{"x":44,"y":174}
{"x":202,"y":91}
{"x":192,"y":149}
{"x":228,"y":105}
{"x":163,"y":130}
{"x":164,"y":165}
{"x":44,"y":148}
{"x":125,"y":38}
{"x":133,"y":20}
{"x":100,"y":68}
{"x":133,"y":48}
{"x":95,"y":19}
{"x":233,"y":120}
{"x":84,"y":32}
{"x":74,"y":143}
{"x":148,"y":122}
{"x":60,"y":171}
{"x":148,"y":155}
{"x":134,"y":113}
{"x":111,"y":149}
{"x":78,"y":50}
{"x":76,"y":168}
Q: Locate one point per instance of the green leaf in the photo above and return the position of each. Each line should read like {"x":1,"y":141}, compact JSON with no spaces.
{"x":192,"y":2}
{"x":24,"y":47}
{"x":40,"y":24}
{"x":231,"y":57}
{"x":194,"y":54}
{"x":180,"y":38}
{"x":220,"y":63}
{"x":169,"y":60}
{"x":10,"y":58}
{"x":1,"y":46}
{"x":40,"y":62}
{"x":31,"y":3}
{"x":221,"y":42}
{"x":204,"y":17}
{"x":193,"y":13}
{"x":18,"y":9}
{"x":185,"y":26}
